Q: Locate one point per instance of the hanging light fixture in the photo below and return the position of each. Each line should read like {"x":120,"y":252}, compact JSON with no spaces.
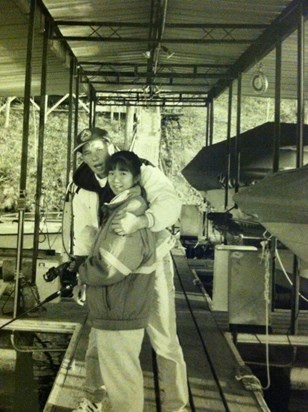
{"x":259,"y":81}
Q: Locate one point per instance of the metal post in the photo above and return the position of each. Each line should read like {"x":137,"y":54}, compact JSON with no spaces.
{"x":300,"y":87}
{"x":276,"y":146}
{"x":277,"y":131}
{"x":129,"y":126}
{"x":207,"y":124}
{"x":40,"y":150}
{"x":212,"y":122}
{"x":237,"y":147}
{"x":76,"y":112}
{"x":92,"y":107}
{"x":70,"y":122}
{"x":228,"y":170}
{"x":299,"y":155}
{"x":24,"y":156}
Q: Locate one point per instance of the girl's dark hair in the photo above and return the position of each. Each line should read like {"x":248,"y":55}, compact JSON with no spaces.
{"x":124,"y":160}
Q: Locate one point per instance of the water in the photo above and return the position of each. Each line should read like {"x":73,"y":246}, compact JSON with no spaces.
{"x":27,"y":378}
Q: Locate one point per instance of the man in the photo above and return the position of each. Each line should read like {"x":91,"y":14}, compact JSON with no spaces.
{"x":91,"y":192}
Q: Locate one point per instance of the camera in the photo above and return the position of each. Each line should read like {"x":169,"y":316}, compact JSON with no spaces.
{"x":66,"y":272}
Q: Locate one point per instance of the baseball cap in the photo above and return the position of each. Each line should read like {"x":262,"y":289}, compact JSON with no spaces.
{"x":90,"y":134}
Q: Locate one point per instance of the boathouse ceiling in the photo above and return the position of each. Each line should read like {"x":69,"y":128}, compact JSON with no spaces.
{"x":164,"y":50}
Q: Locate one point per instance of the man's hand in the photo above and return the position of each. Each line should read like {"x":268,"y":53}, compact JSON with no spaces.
{"x":125,"y":223}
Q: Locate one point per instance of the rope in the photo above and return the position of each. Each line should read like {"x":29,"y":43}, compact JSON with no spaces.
{"x":266,"y":258}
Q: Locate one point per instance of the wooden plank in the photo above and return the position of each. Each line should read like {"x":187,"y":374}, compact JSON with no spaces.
{"x":280,"y":321}
{"x":223,"y":363}
{"x":280,"y":340}
{"x":67,"y":388}
{"x":203,"y":387}
{"x":65,"y":392}
{"x":38,"y":325}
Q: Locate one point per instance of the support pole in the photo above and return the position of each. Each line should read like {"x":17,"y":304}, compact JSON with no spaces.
{"x":129,"y":126}
{"x":212,"y":123}
{"x":25,"y":397}
{"x":24,"y":156}
{"x":299,"y":154}
{"x":7,"y":111}
{"x":40,"y":151}
{"x":228,"y":170}
{"x":207,"y":124}
{"x":276,"y":146}
{"x":277,"y":130}
{"x":70,"y":122}
{"x":76,"y":112}
{"x":237,"y":146}
{"x":92,"y":107}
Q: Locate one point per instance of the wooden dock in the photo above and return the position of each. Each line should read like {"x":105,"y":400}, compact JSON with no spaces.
{"x":215,"y":369}
{"x":209,"y":355}
{"x":213,"y":365}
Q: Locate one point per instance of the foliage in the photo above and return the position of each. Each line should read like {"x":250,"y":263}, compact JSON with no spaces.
{"x":183,"y":136}
{"x":54,"y":158}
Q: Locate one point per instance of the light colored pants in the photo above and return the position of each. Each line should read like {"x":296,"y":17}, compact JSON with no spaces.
{"x":119,"y":367}
{"x":164,"y":340}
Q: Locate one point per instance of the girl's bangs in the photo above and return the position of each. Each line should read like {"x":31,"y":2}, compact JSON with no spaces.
{"x":120,"y":164}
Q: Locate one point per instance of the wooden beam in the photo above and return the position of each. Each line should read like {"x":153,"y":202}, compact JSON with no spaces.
{"x":279,"y":340}
{"x":30,"y":325}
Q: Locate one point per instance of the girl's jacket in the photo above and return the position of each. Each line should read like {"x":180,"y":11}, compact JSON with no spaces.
{"x":119,"y":272}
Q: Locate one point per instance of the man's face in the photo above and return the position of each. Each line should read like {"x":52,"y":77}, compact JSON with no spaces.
{"x":95,"y":154}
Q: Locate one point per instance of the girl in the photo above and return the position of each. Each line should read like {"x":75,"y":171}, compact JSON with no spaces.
{"x":119,"y":279}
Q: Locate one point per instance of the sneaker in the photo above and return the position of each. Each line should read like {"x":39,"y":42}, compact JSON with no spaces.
{"x":87,"y":406}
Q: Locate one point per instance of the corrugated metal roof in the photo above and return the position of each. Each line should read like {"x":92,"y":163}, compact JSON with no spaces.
{"x":178,"y":46}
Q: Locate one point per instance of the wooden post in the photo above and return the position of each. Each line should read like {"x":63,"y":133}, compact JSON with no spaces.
{"x":7,"y":111}
{"x":129,"y":126}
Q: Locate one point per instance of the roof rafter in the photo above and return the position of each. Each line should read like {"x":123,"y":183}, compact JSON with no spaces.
{"x":161,"y":65}
{"x":282,"y":27}
{"x":167,"y":25}
{"x":136,"y":84}
{"x":152,"y":41}
{"x":167,"y":75}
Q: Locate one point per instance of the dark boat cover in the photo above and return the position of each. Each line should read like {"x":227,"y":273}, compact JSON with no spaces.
{"x":208,"y":169}
{"x":279,"y":197}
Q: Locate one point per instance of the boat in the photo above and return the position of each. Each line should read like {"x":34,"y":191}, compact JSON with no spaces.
{"x":279,"y":203}
{"x":50,"y":234}
{"x":208,"y":169}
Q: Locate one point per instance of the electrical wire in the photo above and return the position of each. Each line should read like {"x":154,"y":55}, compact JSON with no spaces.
{"x":44,"y":234}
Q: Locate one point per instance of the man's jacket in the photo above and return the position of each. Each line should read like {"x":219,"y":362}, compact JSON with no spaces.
{"x":164,"y":206}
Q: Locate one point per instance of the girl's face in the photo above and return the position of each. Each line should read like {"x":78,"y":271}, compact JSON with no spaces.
{"x":120,"y":180}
